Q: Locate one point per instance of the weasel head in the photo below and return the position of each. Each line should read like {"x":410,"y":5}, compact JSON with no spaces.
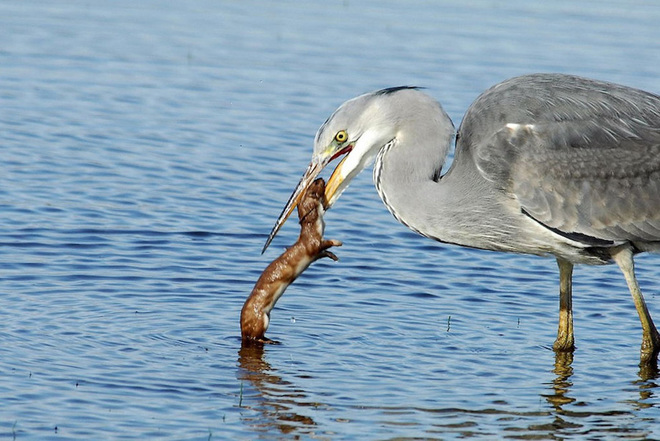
{"x":313,"y":200}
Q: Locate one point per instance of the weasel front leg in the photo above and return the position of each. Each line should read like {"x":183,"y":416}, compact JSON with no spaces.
{"x":324,"y":249}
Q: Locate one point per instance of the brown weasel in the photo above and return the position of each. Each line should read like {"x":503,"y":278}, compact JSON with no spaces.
{"x":310,"y":246}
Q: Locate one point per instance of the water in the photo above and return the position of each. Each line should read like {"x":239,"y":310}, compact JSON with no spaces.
{"x":146,"y":150}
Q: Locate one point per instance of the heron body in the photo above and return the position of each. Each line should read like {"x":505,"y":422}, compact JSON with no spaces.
{"x":544,"y":164}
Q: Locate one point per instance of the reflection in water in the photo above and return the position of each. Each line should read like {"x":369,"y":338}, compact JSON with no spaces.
{"x":648,"y":371}
{"x":275,"y":407}
{"x":562,"y":383}
{"x":569,"y":420}
{"x":647,"y":385}
{"x":561,"y":388}
{"x":273,"y":398}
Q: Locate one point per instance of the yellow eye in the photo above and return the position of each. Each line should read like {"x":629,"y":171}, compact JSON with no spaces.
{"x":341,"y":136}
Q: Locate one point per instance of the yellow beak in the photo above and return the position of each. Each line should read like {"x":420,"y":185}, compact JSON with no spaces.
{"x":333,"y":188}
{"x":313,"y":170}
{"x":333,"y":184}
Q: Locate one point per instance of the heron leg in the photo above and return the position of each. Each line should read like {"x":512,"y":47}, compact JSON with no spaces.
{"x":650,"y":336}
{"x":565,"y":341}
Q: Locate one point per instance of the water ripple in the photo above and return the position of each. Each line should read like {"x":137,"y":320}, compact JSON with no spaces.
{"x":146,"y":152}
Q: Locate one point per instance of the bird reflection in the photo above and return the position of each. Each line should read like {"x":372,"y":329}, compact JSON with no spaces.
{"x":647,"y":384}
{"x":648,"y":371}
{"x":560,"y":396}
{"x":273,"y":398}
{"x":567,"y":417}
{"x":562,"y":384}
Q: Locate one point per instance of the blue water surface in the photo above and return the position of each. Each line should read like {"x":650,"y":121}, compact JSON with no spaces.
{"x":146,"y":149}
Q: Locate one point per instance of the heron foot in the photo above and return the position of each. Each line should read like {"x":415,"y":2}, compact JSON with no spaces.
{"x":650,"y":347}
{"x":564,"y":343}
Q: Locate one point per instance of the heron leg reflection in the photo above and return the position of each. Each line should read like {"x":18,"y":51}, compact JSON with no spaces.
{"x":650,"y":335}
{"x":565,"y":341}
{"x":562,"y":383}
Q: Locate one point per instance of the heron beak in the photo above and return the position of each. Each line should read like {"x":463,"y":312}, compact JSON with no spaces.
{"x":313,"y":170}
{"x":333,"y":187}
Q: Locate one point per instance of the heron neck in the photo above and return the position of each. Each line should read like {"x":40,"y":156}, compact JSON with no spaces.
{"x":447,"y":208}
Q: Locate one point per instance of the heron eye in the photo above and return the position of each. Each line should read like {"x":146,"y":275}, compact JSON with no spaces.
{"x":341,"y":136}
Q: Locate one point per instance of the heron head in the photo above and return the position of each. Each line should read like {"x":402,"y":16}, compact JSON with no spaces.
{"x":354,"y":132}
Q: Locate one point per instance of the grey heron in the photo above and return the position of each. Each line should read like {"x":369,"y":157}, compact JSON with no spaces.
{"x":544,"y":164}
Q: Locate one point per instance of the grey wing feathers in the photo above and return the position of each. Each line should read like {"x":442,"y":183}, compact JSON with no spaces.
{"x":583,"y":165}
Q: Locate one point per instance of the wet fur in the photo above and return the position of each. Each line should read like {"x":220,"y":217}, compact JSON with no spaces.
{"x":310,"y":246}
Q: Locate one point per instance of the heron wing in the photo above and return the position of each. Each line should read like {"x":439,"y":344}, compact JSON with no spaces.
{"x":594,"y":176}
